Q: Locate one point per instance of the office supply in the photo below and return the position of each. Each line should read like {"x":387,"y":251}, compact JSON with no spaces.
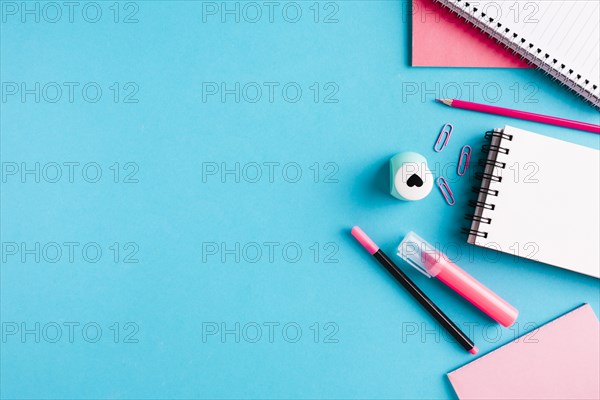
{"x":431,"y":262}
{"x":464,"y":160}
{"x":538,"y":199}
{"x":507,"y":112}
{"x":444,"y":187}
{"x":463,"y":45}
{"x":560,"y":37}
{"x":443,"y":138}
{"x":410,"y":177}
{"x":559,"y":360}
{"x":415,"y":292}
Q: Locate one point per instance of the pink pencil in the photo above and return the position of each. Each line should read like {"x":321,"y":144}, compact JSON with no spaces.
{"x":507,"y":112}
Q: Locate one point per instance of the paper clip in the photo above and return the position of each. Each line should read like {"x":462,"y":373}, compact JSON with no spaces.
{"x":443,"y":136}
{"x":464,"y":160}
{"x":445,"y":189}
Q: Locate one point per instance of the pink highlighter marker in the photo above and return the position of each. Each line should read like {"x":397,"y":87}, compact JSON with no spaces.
{"x":425,"y":258}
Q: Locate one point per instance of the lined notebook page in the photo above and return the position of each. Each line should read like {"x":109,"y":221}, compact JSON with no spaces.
{"x":561,"y":37}
{"x":547,"y":203}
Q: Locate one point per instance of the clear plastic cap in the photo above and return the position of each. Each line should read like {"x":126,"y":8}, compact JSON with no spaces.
{"x":420,"y":254}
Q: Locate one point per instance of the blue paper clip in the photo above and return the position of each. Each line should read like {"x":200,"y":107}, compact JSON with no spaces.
{"x":446,"y":191}
{"x":464,"y":160}
{"x":443,"y":138}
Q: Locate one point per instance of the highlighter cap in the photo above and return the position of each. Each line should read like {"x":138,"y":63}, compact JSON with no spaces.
{"x":418,"y":253}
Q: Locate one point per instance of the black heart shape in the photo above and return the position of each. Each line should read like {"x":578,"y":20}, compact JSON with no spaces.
{"x":414,"y":180}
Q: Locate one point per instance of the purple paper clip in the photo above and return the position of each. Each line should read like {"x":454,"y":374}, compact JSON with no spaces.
{"x":443,"y":138}
{"x":446,"y":191}
{"x":464,"y":160}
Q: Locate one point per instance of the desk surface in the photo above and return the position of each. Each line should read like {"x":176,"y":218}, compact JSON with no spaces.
{"x":178,"y":189}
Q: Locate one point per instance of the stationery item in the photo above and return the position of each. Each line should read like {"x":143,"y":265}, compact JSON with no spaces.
{"x":427,"y":260}
{"x":443,"y":137}
{"x":560,"y":37}
{"x":410,"y":177}
{"x":409,"y":285}
{"x":464,"y":160}
{"x":507,"y":112}
{"x":444,"y":187}
{"x":559,"y":360}
{"x":538,"y":199}
{"x":462,"y":45}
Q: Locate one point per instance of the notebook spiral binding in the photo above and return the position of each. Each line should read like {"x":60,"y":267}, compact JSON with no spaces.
{"x":564,"y":75}
{"x":483,"y":202}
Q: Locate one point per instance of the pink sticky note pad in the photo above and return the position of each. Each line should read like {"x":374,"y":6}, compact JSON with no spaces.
{"x":560,"y":360}
{"x":441,"y":39}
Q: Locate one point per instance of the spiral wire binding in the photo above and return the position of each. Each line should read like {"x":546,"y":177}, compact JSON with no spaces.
{"x":536,"y":56}
{"x":483,"y":191}
{"x":482,"y":175}
{"x":475,"y":203}
{"x":486,"y":148}
{"x":483,"y":162}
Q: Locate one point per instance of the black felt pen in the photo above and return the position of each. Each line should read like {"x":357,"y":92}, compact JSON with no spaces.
{"x":409,"y":285}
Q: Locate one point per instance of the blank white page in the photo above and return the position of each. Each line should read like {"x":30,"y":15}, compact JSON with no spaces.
{"x":548,"y":201}
{"x":560,"y":37}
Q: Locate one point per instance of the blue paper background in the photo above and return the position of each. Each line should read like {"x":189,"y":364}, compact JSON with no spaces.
{"x":174,"y":214}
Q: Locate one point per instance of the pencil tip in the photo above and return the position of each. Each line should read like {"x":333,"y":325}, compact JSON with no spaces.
{"x":447,"y":102}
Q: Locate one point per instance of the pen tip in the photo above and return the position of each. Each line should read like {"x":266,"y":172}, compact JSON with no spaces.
{"x":474,"y":350}
{"x":364,"y":240}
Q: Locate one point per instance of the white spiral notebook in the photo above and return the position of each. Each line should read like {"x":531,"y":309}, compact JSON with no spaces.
{"x":539,"y":198}
{"x":560,"y":37}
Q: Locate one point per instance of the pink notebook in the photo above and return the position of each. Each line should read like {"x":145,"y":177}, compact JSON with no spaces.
{"x":560,"y":360}
{"x":441,"y":39}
